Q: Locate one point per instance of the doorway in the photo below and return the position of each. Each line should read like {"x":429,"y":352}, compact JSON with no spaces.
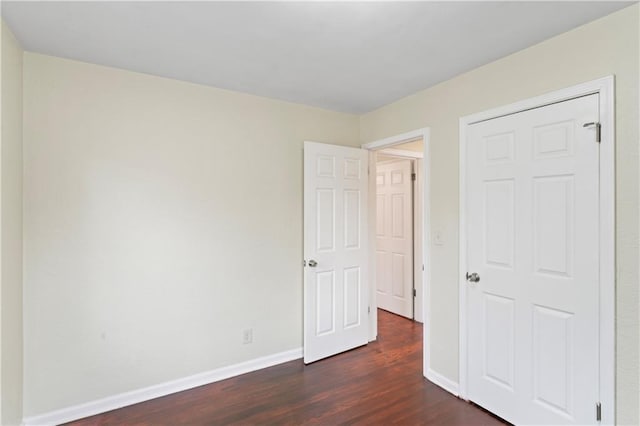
{"x":340,"y":309}
{"x":414,"y":146}
{"x":398,"y":244}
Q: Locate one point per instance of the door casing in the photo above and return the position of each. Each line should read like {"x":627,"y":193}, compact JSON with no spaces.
{"x":605,"y":88}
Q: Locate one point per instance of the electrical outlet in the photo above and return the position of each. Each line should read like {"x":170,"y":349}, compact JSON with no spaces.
{"x":247,"y":336}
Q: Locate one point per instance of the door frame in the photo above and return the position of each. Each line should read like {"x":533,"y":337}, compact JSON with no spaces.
{"x":604,"y":87}
{"x":385,"y":144}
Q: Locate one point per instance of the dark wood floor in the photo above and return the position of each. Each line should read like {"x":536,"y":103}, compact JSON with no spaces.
{"x":380,"y":383}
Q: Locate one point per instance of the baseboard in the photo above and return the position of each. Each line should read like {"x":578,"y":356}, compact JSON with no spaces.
{"x":140,"y":395}
{"x":446,"y":384}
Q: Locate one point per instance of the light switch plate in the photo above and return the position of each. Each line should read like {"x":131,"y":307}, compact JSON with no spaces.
{"x":437,"y":238}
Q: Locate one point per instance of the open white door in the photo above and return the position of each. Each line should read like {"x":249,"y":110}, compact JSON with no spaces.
{"x":394,"y":237}
{"x":336,"y":285}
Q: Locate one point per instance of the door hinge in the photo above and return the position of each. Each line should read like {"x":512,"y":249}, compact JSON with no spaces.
{"x":598,"y":411}
{"x":414,"y":292}
{"x":598,"y":127}
{"x":369,"y":309}
{"x":304,"y":263}
{"x":413,"y":176}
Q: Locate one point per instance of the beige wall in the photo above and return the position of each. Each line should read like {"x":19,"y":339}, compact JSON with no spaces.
{"x":11,"y":231}
{"x":603,"y":47}
{"x":161,"y":219}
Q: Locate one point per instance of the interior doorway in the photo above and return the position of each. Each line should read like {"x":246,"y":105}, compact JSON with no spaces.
{"x":398,"y":259}
{"x":414,"y":146}
{"x":340,"y":308}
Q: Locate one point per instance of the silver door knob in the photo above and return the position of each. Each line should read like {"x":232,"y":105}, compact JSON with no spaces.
{"x":473,"y":277}
{"x":313,"y":263}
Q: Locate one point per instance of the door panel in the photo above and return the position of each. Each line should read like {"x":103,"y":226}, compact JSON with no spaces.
{"x":499,"y":340}
{"x":335,"y":237}
{"x":499,"y":202}
{"x":394,"y":237}
{"x":532,"y":232}
{"x":552,"y":357}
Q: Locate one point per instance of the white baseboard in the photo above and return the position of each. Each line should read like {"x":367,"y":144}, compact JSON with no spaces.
{"x":140,"y":395}
{"x":446,"y":384}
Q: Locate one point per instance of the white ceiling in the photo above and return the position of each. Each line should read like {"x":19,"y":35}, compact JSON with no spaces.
{"x":345,"y":56}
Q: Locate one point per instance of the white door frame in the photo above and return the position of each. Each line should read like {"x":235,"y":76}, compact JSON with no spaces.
{"x":605,"y":88}
{"x":401,"y":153}
{"x":386,"y":144}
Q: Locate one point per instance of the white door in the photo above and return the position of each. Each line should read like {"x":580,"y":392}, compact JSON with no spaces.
{"x":394,"y":237}
{"x":532,"y":235}
{"x":336,"y":288}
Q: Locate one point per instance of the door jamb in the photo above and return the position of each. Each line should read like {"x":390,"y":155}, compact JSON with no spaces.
{"x":386,"y":143}
{"x":606,"y":90}
{"x":401,"y":153}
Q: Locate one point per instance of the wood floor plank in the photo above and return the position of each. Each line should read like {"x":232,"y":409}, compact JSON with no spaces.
{"x":377,"y":384}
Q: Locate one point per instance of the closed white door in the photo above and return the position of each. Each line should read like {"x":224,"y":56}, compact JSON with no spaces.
{"x":394,"y":237}
{"x":336,"y":284}
{"x":532,"y":233}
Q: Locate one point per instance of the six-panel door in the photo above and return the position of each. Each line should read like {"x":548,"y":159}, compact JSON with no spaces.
{"x":336,"y":285}
{"x":394,"y":237}
{"x":532,"y":231}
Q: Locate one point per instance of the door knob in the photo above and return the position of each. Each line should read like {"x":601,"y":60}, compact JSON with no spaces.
{"x":473,"y":277}
{"x":313,"y":263}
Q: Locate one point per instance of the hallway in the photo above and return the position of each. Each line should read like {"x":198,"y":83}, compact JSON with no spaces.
{"x":380,"y":383}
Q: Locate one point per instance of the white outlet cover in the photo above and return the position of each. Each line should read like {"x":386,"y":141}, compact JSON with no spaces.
{"x":247,"y":336}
